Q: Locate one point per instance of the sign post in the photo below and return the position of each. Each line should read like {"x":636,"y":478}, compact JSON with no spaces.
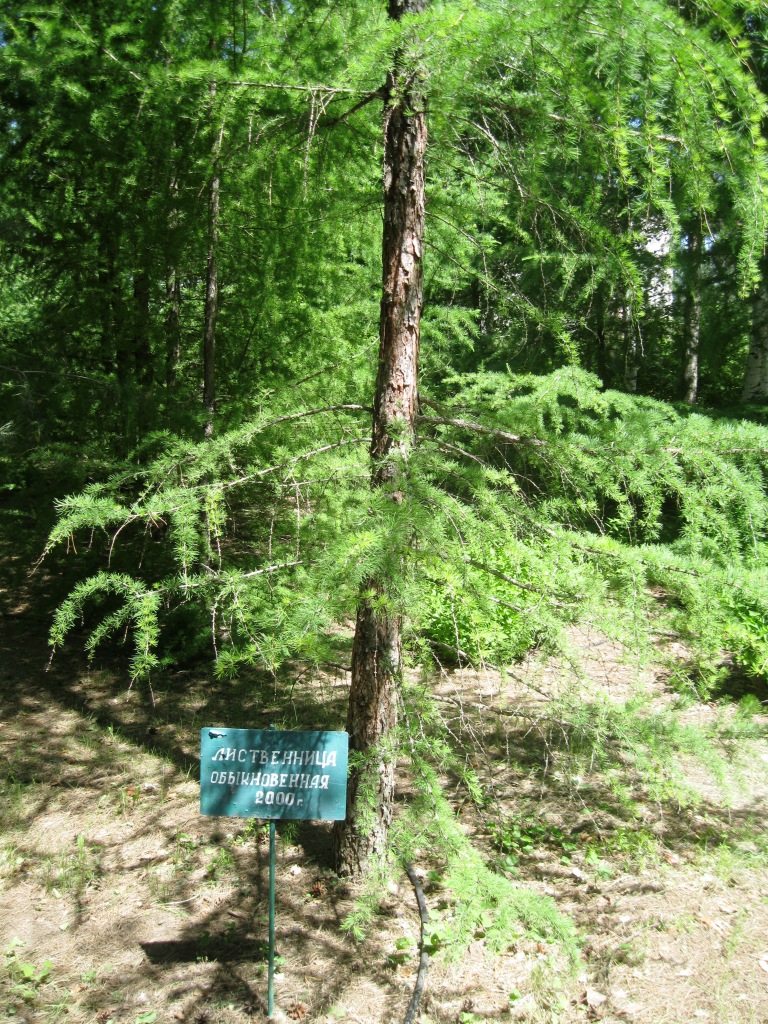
{"x":271,"y":966}
{"x":274,"y":775}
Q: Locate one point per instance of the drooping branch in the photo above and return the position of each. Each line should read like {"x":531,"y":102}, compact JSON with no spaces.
{"x":479,"y":428}
{"x":513,"y":582}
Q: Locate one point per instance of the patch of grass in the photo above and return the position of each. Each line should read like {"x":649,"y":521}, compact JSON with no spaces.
{"x":729,"y":852}
{"x":12,"y":861}
{"x":221,"y":864}
{"x":635,"y":847}
{"x":548,"y":990}
{"x":71,"y":871}
{"x":14,"y":789}
{"x":684,"y":923}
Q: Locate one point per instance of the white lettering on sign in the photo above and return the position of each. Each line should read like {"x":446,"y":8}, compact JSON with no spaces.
{"x":278,"y":798}
{"x":298,"y":758}
{"x":271,"y":780}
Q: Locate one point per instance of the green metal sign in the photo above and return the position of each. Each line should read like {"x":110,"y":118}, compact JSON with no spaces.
{"x":267,"y":773}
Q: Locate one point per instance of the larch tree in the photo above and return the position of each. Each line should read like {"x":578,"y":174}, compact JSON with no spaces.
{"x":556,"y":154}
{"x":377,"y":648}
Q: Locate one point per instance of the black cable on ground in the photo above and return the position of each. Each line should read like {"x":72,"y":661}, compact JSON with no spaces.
{"x":423,"y":960}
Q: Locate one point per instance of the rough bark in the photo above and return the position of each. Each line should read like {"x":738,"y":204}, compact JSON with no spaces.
{"x":756,"y":376}
{"x":376,"y":651}
{"x":692,"y":320}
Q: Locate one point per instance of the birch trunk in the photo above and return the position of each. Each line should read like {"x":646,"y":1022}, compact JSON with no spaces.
{"x":756,"y":376}
{"x":693,"y":321}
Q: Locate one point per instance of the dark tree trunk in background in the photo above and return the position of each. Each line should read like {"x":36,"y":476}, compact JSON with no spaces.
{"x":692,"y":319}
{"x":142,"y":348}
{"x":172,"y":328}
{"x":376,"y":652}
{"x":631,"y":347}
{"x":756,"y":376}
{"x":600,"y":343}
{"x":172,"y":289}
{"x":212,"y":284}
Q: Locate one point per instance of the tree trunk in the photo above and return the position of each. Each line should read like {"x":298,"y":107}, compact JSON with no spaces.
{"x":631,"y":349}
{"x":172,"y":328}
{"x":376,"y":651}
{"x":692,"y":320}
{"x":600,"y":345}
{"x":142,"y":348}
{"x":172,"y":287}
{"x":212,"y":284}
{"x":756,"y":376}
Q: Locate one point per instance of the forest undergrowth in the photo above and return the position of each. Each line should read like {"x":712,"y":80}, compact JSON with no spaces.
{"x":581,"y":724}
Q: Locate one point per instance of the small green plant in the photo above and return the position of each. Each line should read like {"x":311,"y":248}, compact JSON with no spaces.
{"x":26,"y":978}
{"x":629,"y":953}
{"x":13,"y":790}
{"x":11,"y":861}
{"x":222,"y":863}
{"x":289,"y":832}
{"x":685,"y":923}
{"x":165,"y":882}
{"x":519,"y":836}
{"x":254,"y":832}
{"x":749,"y":632}
{"x":127,"y":798}
{"x":404,"y":949}
{"x":71,"y":872}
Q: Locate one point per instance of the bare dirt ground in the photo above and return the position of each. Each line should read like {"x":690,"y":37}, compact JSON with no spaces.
{"x":120,"y":903}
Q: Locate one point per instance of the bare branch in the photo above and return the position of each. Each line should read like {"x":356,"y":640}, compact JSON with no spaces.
{"x":316,"y":412}
{"x":104,"y":50}
{"x":506,"y":712}
{"x":291,"y":462}
{"x":325,"y":89}
{"x":478,"y":428}
{"x":271,"y":568}
{"x":333,"y":121}
{"x":515,"y":583}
